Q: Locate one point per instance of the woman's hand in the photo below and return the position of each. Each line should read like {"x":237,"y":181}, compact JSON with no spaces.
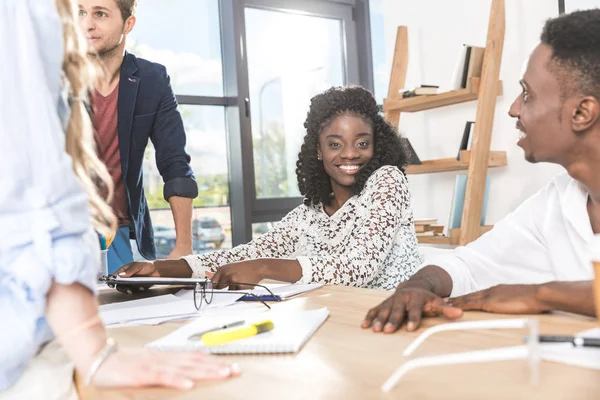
{"x":135,"y":367}
{"x":231,"y":275}
{"x":138,"y":268}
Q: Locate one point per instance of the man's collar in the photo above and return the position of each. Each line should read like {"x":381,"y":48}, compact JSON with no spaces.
{"x":129,"y":66}
{"x":574,"y":205}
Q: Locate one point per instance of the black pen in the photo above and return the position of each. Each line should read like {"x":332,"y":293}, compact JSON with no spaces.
{"x":576,"y":341}
{"x":198,"y":336}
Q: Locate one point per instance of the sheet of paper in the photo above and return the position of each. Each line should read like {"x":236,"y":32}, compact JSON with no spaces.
{"x":234,"y":309}
{"x":160,"y":308}
{"x":286,"y":291}
{"x":566,"y":353}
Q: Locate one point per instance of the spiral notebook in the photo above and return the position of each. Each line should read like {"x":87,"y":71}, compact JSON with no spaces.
{"x":291,"y":331}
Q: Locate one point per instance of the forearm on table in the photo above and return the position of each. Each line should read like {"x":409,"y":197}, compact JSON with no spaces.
{"x":576,"y":297}
{"x":182,"y":209}
{"x":280,"y":269}
{"x":431,"y":278}
{"x":173,"y":268}
{"x":79,"y":330}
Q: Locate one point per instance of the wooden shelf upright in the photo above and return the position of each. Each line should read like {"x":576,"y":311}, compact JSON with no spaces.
{"x":484,"y":90}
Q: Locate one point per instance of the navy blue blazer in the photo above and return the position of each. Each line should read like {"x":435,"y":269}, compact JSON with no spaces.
{"x":147,"y":108}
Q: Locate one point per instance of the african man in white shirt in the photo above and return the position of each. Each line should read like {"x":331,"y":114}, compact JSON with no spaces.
{"x":534,"y":260}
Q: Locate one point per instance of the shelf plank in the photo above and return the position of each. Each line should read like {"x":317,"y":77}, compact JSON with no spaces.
{"x":453,"y":239}
{"x":433,"y":239}
{"x":421,"y":103}
{"x":497,"y":159}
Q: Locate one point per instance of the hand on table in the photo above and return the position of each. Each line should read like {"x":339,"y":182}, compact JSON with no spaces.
{"x":407,"y":305}
{"x":504,"y":299}
{"x":242,"y":272}
{"x":138,"y":367}
{"x":139,"y":269}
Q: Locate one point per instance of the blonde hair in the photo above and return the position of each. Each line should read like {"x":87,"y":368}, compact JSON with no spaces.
{"x":80,"y":143}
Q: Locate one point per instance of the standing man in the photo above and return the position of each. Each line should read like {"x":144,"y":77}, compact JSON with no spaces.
{"x":133,"y":102}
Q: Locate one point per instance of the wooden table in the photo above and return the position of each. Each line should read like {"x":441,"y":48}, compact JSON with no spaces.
{"x":342,"y":361}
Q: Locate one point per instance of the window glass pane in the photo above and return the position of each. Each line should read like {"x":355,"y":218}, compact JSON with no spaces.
{"x":572,"y":5}
{"x":381,"y":69}
{"x":285,"y":70}
{"x":207,"y":146}
{"x":185,"y":37}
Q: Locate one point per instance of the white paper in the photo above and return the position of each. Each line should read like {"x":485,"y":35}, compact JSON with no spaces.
{"x":566,"y":353}
{"x":286,"y":291}
{"x":291,"y":330}
{"x":158,"y":309}
{"x":169,"y":307}
{"x":234,"y":309}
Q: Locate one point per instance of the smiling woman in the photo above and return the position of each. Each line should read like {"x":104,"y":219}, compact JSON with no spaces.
{"x":355,"y":227}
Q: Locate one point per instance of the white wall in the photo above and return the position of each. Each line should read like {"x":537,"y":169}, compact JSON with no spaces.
{"x":436,"y":30}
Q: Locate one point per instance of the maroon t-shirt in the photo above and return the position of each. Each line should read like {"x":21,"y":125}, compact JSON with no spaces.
{"x":107,"y":142}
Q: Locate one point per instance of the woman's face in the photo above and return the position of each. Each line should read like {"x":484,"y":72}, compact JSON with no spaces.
{"x":345,"y":146}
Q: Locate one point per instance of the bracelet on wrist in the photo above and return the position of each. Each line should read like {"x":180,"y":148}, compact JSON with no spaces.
{"x":109,"y":348}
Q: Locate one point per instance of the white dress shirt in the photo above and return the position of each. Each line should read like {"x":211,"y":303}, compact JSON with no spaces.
{"x":45,"y":230}
{"x":544,"y":239}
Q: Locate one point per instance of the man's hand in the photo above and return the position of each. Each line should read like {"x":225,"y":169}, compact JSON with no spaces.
{"x":408,"y":304}
{"x":504,"y":299}
{"x":239,"y":272}
{"x":180,"y":251}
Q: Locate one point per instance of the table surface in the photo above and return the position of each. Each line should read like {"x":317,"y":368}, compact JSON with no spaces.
{"x":343,"y":361}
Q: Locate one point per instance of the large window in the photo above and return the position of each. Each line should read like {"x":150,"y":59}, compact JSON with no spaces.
{"x":185,"y":37}
{"x":190,"y":49}
{"x":381,"y":68}
{"x":285,"y":70}
{"x":572,"y":5}
{"x":243,"y":72}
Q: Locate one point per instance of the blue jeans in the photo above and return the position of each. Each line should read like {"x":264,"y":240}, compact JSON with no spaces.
{"x":119,"y":252}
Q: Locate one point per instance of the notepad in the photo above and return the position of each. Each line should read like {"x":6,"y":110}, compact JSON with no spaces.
{"x":292,"y":330}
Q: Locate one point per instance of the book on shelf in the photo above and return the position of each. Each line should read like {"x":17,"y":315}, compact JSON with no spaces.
{"x":423,"y":90}
{"x":475,"y":63}
{"x":422,"y":228}
{"x":468,"y":65}
{"x":413,"y":158}
{"x":425,"y":221}
{"x":428,"y":227}
{"x":467,"y":138}
{"x":458,"y":201}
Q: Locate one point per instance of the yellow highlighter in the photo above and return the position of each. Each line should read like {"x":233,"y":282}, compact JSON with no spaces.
{"x":216,"y":338}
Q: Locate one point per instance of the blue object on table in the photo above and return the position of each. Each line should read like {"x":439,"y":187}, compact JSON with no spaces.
{"x":119,"y":252}
{"x":263,"y":297}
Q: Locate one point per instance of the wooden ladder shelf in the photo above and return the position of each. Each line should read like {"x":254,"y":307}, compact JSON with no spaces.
{"x":484,"y":90}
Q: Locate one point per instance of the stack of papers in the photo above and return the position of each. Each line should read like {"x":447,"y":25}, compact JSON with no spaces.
{"x":159,"y":309}
{"x":179,"y":306}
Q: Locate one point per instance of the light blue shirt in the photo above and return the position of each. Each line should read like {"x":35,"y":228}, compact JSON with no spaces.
{"x":45,"y":230}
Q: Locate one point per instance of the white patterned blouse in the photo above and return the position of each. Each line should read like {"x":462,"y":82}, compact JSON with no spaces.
{"x":369,"y":242}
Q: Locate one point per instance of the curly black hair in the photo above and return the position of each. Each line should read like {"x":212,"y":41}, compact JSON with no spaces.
{"x":575,"y":42}
{"x":313,"y":181}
